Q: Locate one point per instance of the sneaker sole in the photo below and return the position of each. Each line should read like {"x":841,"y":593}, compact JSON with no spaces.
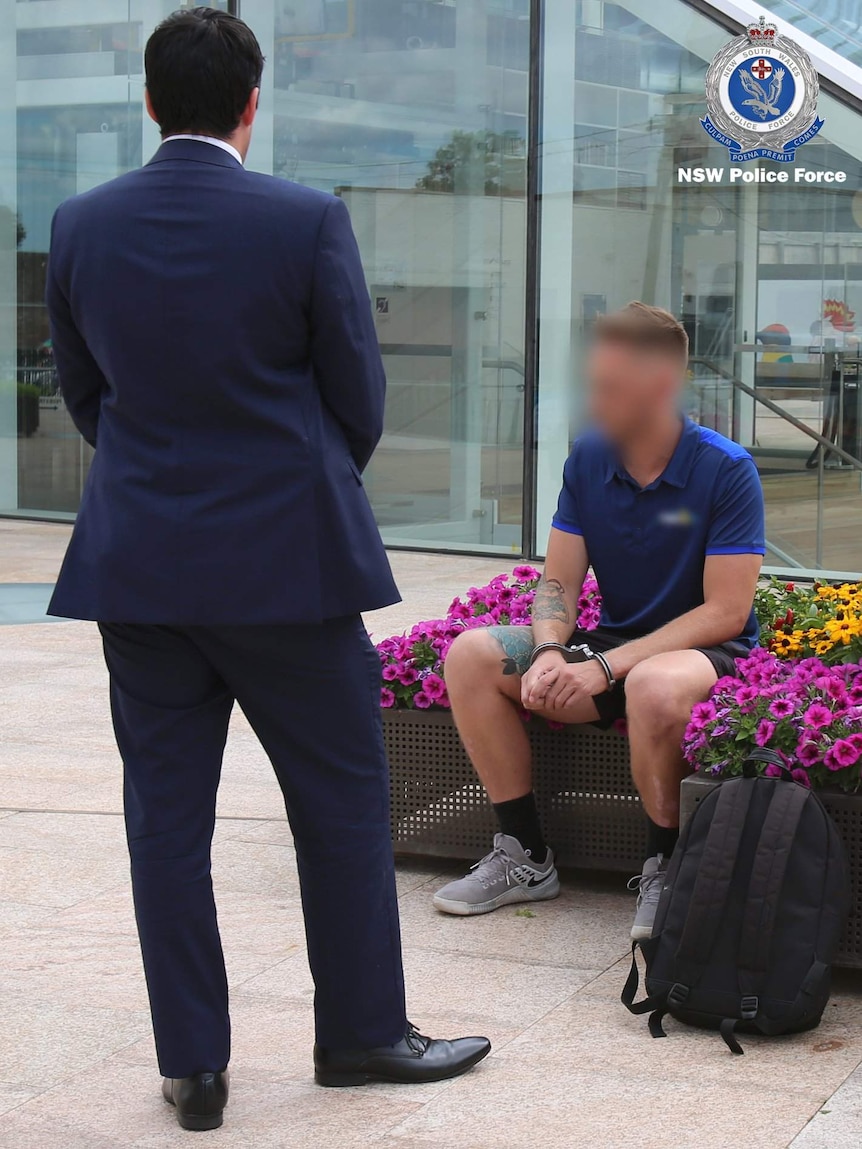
{"x":543,"y":893}
{"x":641,"y":933}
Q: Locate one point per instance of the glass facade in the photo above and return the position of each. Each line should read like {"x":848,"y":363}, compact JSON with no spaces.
{"x":512,"y":167}
{"x":766,"y":277}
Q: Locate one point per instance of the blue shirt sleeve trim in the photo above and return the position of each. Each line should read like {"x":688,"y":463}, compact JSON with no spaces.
{"x":566,"y":527}
{"x":736,"y":551}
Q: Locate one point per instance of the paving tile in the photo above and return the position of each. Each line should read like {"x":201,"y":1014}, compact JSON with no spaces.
{"x":42,"y":1043}
{"x":53,"y":775}
{"x":620,"y":1043}
{"x":14,"y":915}
{"x":413,"y":874}
{"x":66,"y":835}
{"x":570,"y":1068}
{"x":448,"y":995}
{"x":262,"y":1116}
{"x":241,"y":867}
{"x":567,"y":1104}
{"x":267,"y":922}
{"x":264,"y":831}
{"x":44,"y":966}
{"x":126,"y":1109}
{"x":838,"y":1123}
{"x":11,"y":1096}
{"x":587,"y":927}
{"x":28,"y":876}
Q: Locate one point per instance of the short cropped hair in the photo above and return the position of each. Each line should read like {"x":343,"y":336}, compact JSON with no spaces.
{"x":646,"y":328}
{"x":201,"y":66}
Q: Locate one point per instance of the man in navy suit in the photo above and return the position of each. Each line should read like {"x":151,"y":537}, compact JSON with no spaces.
{"x":214,"y":342}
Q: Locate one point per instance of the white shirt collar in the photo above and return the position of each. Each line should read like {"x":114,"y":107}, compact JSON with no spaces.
{"x":223,"y":144}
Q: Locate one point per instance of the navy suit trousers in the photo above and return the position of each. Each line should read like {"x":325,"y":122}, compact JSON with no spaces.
{"x":311,"y":694}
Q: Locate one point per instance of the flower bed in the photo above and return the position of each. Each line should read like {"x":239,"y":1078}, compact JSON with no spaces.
{"x":809,"y":712}
{"x":413,"y":663}
{"x":799,"y":694}
{"x":820,"y":621}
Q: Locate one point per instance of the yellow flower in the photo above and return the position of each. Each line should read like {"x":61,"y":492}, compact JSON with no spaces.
{"x":841,"y":630}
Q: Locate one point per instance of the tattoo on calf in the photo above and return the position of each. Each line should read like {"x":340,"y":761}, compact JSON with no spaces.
{"x":550,"y":601}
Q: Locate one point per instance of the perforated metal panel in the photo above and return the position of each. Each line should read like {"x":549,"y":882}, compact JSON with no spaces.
{"x":846,"y":809}
{"x":590,"y":809}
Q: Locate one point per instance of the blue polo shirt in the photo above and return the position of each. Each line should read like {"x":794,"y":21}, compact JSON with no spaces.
{"x":647,"y":546}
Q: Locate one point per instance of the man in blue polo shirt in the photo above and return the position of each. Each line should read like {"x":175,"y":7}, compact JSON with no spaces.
{"x":670,"y":517}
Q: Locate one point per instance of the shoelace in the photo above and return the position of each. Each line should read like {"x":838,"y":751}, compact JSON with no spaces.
{"x":495,"y":864}
{"x":644,"y":883}
{"x":415,"y":1040}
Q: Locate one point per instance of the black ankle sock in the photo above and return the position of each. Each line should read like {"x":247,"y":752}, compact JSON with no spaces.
{"x":519,"y":818}
{"x":661,"y":839}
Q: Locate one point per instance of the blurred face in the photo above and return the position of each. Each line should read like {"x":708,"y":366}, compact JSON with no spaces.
{"x":630,"y":389}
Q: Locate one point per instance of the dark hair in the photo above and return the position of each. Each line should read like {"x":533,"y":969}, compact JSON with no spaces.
{"x":645,"y":328}
{"x":201,"y":66}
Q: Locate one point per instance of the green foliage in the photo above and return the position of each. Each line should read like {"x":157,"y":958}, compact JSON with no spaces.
{"x":493,"y":161}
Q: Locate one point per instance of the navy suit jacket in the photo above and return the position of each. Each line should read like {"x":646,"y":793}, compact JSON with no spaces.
{"x":214,"y":342}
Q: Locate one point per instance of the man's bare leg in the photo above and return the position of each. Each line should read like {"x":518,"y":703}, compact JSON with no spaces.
{"x":483,"y":675}
{"x":660,"y":695}
{"x":484,"y":684}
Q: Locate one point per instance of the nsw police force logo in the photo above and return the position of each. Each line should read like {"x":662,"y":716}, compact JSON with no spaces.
{"x":761,"y":94}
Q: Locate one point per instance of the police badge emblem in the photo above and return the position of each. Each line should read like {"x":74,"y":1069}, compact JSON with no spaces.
{"x":761,"y":95}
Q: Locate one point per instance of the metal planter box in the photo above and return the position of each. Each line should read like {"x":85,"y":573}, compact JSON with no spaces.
{"x":588,"y":803}
{"x":846,"y":810}
{"x":590,"y":809}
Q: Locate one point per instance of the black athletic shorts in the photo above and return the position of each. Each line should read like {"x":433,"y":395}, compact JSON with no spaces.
{"x":612,"y":705}
{"x":517,"y":644}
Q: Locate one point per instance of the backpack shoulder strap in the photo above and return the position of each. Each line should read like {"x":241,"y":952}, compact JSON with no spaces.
{"x":714,"y":877}
{"x":768,"y":872}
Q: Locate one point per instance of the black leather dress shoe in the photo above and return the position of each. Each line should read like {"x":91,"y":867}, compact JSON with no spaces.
{"x":411,"y":1060}
{"x":199,"y":1100}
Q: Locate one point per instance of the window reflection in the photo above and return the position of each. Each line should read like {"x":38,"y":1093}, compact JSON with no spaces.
{"x":766,"y":278}
{"x":416,"y":114}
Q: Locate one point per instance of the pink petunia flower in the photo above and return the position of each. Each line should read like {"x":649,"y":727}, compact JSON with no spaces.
{"x":842,"y":755}
{"x":809,"y":753}
{"x":702,"y":714}
{"x":765,"y":732}
{"x":833,"y":686}
{"x":525,"y":573}
{"x":421,"y":700}
{"x":746,"y":695}
{"x":387,"y":698}
{"x":817,"y":716}
{"x":434,"y":686}
{"x":782,"y":708}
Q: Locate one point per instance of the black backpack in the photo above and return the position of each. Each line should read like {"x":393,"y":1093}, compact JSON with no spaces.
{"x":753,"y":907}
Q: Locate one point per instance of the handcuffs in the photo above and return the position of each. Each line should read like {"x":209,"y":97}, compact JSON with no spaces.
{"x":579,"y":653}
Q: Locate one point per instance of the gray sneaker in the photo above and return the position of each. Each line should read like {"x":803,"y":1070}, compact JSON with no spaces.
{"x":649,"y":885}
{"x":504,"y":876}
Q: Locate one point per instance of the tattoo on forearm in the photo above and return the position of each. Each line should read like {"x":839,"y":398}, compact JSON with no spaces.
{"x":549,"y":604}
